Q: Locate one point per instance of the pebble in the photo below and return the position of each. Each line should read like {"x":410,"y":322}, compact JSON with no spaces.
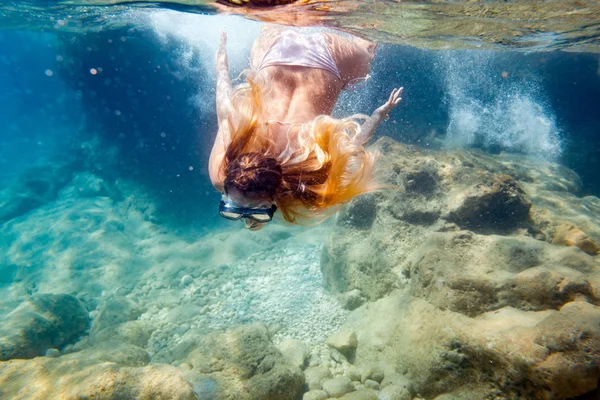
{"x":315,"y":376}
{"x":353,"y":373}
{"x":393,"y":392}
{"x":52,"y":353}
{"x":186,"y":280}
{"x":315,"y":395}
{"x":363,"y":394}
{"x":338,"y":387}
{"x":370,"y":384}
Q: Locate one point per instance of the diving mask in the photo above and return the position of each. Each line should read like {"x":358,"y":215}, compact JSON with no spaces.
{"x":231,"y":211}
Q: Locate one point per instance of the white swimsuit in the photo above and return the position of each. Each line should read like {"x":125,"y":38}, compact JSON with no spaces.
{"x":305,"y":50}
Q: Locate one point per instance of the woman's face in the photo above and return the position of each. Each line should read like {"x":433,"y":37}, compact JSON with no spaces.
{"x":238,"y":198}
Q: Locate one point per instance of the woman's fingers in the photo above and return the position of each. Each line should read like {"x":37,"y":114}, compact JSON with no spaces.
{"x":395,"y":97}
{"x":391,"y":99}
{"x":398,"y":98}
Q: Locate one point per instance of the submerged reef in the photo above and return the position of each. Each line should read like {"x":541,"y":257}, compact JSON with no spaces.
{"x":482,"y":281}
{"x":472,"y":276}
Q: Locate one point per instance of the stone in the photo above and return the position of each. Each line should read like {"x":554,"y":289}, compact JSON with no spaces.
{"x":52,"y":353}
{"x":124,"y":354}
{"x":395,"y":379}
{"x":246,"y":355}
{"x":42,"y":322}
{"x":188,"y":343}
{"x":86,"y":184}
{"x":352,"y":299}
{"x":183,"y":313}
{"x":315,"y":376}
{"x":315,"y":395}
{"x":343,"y":341}
{"x":78,"y":378}
{"x":569,"y":235}
{"x":360,"y":213}
{"x":372,"y":372}
{"x":353,"y":372}
{"x":294,"y":352}
{"x":498,"y":202}
{"x":337,"y":387}
{"x":35,"y":187}
{"x":466,"y":296}
{"x":136,"y":333}
{"x":362,"y":394}
{"x":337,"y":356}
{"x":393,"y":392}
{"x":186,"y":280}
{"x":559,"y":347}
{"x":114,"y":312}
{"x":371,"y":384}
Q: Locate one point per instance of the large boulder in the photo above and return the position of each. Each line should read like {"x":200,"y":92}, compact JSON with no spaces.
{"x":42,"y":322}
{"x":243,"y":363}
{"x":83,"y":376}
{"x":551,"y":354}
{"x":34,"y":188}
{"x":479,"y":273}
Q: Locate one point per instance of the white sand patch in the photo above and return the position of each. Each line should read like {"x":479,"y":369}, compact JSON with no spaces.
{"x":279,"y":286}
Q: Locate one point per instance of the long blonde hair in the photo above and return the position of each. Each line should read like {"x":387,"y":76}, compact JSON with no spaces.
{"x":321,"y":167}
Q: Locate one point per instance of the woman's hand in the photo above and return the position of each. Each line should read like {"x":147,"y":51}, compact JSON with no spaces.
{"x":369,"y":126}
{"x":392,"y":102}
{"x":222,"y":51}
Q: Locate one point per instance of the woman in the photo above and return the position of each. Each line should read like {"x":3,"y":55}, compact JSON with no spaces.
{"x":277,"y":148}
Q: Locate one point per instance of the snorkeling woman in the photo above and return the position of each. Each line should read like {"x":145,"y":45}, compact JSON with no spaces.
{"x":277,"y":148}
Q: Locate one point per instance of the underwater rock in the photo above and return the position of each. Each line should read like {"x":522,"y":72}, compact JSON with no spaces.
{"x":352,"y":299}
{"x":52,"y":353}
{"x":86,"y":184}
{"x":362,"y":394}
{"x":136,"y":333}
{"x":494,"y":204}
{"x":42,"y":322}
{"x":360,"y":212}
{"x":316,"y":394}
{"x":372,"y":372}
{"x":337,"y":387}
{"x":497,"y":271}
{"x":121,"y":353}
{"x":460,"y":313}
{"x":393,"y":392}
{"x":349,"y":262}
{"x":294,"y":352}
{"x":569,"y":235}
{"x":315,"y":376}
{"x":243,"y":363}
{"x":77,"y":377}
{"x":343,"y":341}
{"x":34,"y":188}
{"x":551,"y":354}
{"x":114,"y":312}
{"x":353,"y":372}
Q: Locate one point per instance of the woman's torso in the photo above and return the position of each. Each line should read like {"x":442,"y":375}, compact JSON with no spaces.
{"x":298,"y":94}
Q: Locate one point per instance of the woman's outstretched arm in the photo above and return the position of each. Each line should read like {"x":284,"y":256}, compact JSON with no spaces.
{"x":224,"y":89}
{"x":224,"y":92}
{"x":369,"y":126}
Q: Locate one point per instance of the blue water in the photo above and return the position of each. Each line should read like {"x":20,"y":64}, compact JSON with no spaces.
{"x":105,"y":135}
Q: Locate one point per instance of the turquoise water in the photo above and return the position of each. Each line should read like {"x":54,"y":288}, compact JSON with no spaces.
{"x":474,"y":277}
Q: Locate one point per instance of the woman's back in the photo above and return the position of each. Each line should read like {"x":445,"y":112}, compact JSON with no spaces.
{"x":305,"y":82}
